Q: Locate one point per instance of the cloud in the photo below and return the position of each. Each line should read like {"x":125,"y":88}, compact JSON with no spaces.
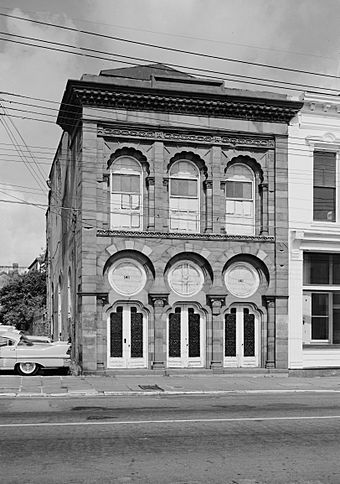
{"x":42,"y":74}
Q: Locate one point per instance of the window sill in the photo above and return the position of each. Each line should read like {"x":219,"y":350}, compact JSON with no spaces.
{"x":320,"y":345}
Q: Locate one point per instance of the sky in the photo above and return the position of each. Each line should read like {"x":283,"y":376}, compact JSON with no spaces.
{"x":295,"y":34}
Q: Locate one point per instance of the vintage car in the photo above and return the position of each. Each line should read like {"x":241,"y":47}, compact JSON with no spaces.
{"x":27,"y":357}
{"x":30,"y":337}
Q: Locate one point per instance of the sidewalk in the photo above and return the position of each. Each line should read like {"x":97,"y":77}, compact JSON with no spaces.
{"x":12,"y":386}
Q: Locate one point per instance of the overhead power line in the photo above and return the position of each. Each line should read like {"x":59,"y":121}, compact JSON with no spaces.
{"x":179,"y":35}
{"x":167,"y":48}
{"x":238,"y":78}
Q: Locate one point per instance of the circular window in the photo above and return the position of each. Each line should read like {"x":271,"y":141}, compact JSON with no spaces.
{"x":241,"y":279}
{"x":127,"y":277}
{"x":186,"y":279}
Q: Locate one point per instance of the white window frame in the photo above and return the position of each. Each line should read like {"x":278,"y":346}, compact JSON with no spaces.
{"x":326,"y":288}
{"x":114,"y":210}
{"x":232,"y":227}
{"x":328,"y":149}
{"x":172,"y":212}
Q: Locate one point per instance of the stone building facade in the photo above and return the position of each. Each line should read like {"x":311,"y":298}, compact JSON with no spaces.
{"x":167,"y":227}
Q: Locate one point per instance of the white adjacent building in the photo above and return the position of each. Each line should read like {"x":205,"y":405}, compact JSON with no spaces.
{"x":314,"y":241}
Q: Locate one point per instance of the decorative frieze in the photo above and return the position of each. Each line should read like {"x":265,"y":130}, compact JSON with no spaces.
{"x":184,"y":235}
{"x":185,"y":137}
{"x":251,"y":108}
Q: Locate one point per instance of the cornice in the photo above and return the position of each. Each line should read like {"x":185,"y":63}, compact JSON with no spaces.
{"x":259,"y":109}
{"x":214,"y":138}
{"x":183,"y":236}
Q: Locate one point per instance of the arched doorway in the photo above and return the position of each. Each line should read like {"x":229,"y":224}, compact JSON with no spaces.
{"x":242,"y":336}
{"x":186,"y":337}
{"x":127,"y":337}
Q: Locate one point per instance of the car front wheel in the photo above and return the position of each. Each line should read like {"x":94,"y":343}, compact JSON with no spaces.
{"x":27,"y":369}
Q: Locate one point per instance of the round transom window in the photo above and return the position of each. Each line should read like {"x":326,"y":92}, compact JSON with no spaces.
{"x":127,"y":277}
{"x":186,"y":279}
{"x":241,"y":280}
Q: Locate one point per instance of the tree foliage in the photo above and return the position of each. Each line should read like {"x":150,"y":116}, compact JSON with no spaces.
{"x":21,"y":297}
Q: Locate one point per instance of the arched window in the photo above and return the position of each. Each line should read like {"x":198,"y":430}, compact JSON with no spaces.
{"x":240,"y":204}
{"x":126,"y":194}
{"x":184,"y":197}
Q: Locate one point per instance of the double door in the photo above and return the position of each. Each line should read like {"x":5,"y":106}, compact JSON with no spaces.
{"x":127,"y":338}
{"x":241,"y":337}
{"x":186,"y":338}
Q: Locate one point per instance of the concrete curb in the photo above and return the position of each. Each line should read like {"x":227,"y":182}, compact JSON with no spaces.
{"x":136,"y":393}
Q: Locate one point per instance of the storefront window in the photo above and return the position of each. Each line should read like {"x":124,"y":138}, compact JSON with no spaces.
{"x":321,"y":298}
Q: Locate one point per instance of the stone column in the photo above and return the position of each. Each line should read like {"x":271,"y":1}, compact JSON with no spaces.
{"x":271,"y":332}
{"x":159,"y":301}
{"x":160,"y":197}
{"x":264,"y":208}
{"x":208,"y":186}
{"x":216,"y":331}
{"x":102,"y":300}
{"x":150,"y":183}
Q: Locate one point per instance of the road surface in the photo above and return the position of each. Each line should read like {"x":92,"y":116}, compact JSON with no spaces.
{"x":238,"y":439}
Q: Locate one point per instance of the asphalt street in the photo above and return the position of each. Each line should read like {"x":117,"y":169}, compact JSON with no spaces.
{"x":243,"y":439}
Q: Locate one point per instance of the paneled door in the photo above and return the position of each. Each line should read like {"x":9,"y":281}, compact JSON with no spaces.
{"x":186,"y":338}
{"x":127,"y":338}
{"x":241,"y":337}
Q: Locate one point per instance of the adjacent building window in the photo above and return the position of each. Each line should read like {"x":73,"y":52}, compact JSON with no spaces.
{"x":126,"y":194}
{"x":239,"y":196}
{"x":184,"y":200}
{"x":324,"y":186}
{"x":321,"y":298}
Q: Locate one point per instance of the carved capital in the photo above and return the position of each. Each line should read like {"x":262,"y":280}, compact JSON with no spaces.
{"x":216,"y":301}
{"x":208,"y":184}
{"x":159,"y":300}
{"x":269,"y":301}
{"x":150,"y":181}
{"x":103,"y":298}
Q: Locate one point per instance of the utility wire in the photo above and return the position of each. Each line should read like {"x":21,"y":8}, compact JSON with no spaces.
{"x":167,"y":48}
{"x":22,"y":156}
{"x":178,"y":35}
{"x":240,"y":78}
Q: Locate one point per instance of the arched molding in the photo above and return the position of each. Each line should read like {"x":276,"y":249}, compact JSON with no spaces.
{"x":132,"y":153}
{"x":134,"y":255}
{"x":146,"y":309}
{"x":328,"y":141}
{"x":197,"y":259}
{"x":128,"y":244}
{"x":263,"y":269}
{"x":248,"y":161}
{"x":195,"y":304}
{"x":189,"y":156}
{"x":260,"y":310}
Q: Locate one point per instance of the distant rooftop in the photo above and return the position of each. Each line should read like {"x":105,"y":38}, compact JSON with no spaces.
{"x":145,"y":72}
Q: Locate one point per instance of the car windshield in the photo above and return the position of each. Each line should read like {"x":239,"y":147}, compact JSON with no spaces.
{"x":6,"y":341}
{"x":24,"y":342}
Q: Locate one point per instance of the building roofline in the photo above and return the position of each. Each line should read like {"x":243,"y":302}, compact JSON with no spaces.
{"x":195,"y":99}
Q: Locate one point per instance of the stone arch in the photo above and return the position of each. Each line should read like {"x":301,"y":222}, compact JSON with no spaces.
{"x":255,"y":262}
{"x":196,"y":258}
{"x":190,"y":156}
{"x":133,"y":153}
{"x":248,"y":161}
{"x":135,"y":255}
